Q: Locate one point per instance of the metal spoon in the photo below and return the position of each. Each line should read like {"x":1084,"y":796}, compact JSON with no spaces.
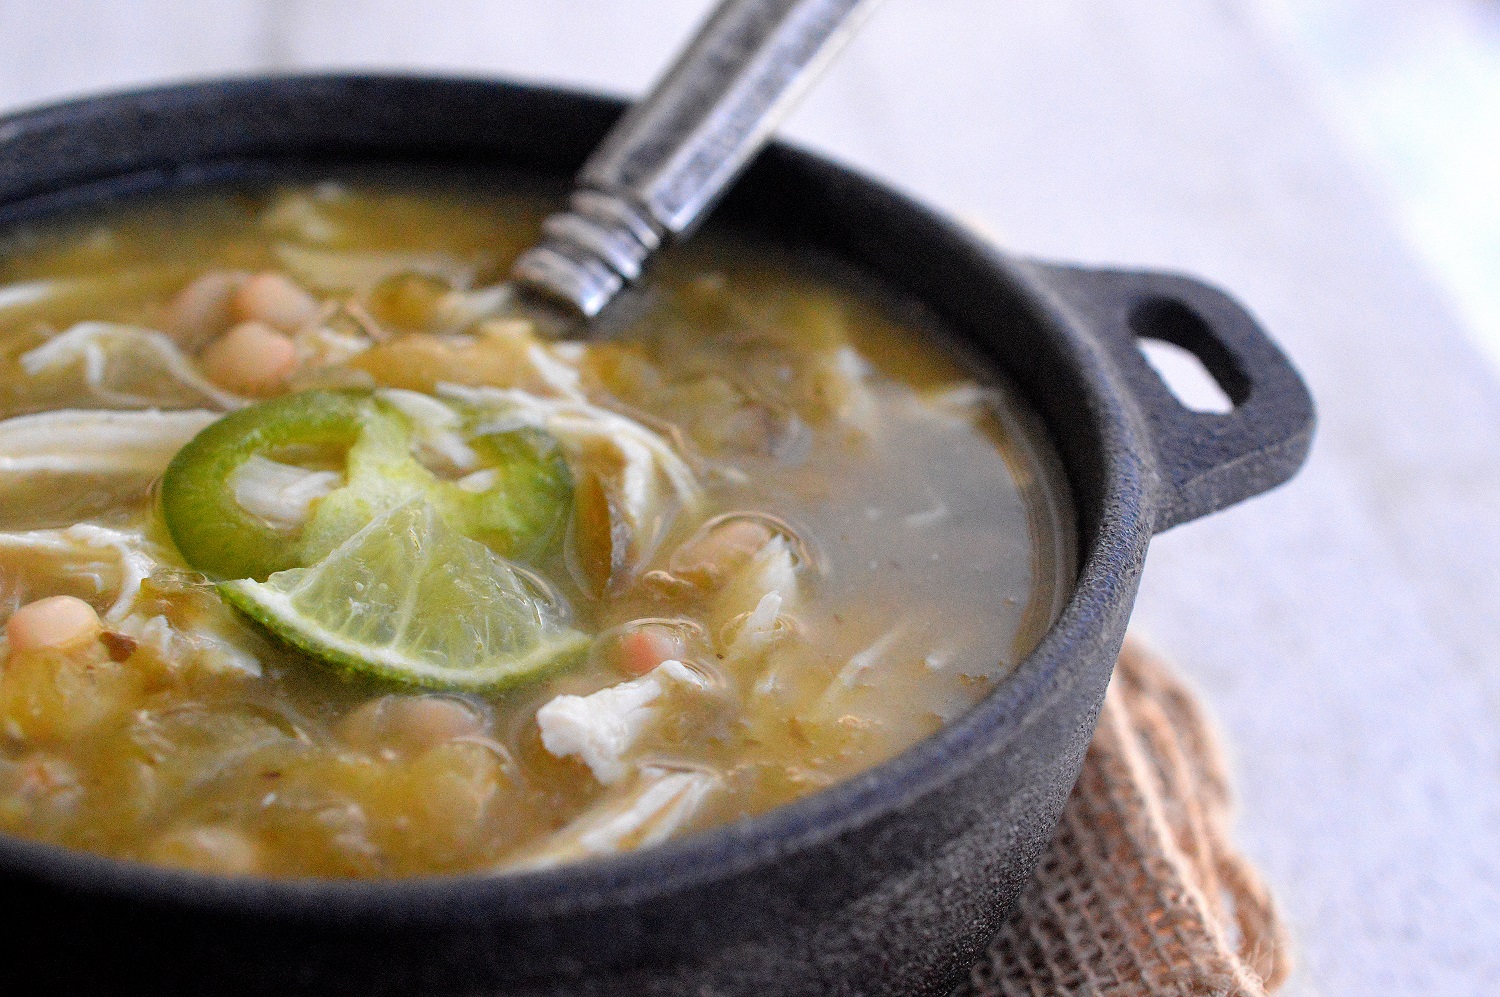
{"x":675,"y":152}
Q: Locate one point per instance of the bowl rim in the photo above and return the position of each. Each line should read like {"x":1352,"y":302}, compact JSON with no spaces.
{"x":1108,"y":568}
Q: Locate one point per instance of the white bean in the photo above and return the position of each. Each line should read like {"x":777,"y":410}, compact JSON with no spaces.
{"x":202,"y":310}
{"x":275,"y":300}
{"x":57,"y":622}
{"x":410,"y":724}
{"x":252,"y":359}
{"x":711,"y":556}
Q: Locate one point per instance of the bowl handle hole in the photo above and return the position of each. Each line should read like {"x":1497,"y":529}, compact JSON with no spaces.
{"x":1179,"y":346}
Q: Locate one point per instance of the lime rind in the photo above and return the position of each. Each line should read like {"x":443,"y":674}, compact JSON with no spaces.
{"x":410,"y":600}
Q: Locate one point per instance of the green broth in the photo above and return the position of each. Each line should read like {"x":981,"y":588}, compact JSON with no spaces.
{"x":934,"y":546}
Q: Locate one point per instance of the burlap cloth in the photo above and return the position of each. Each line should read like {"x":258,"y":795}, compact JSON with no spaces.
{"x":1141,"y":892}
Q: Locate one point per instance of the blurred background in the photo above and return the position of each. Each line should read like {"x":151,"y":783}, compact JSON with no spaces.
{"x":1413,"y":89}
{"x":1334,"y":164}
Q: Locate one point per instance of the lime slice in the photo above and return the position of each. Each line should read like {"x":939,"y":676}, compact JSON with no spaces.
{"x":409,"y":599}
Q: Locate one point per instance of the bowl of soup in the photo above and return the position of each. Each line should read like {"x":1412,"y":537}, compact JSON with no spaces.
{"x":363,"y":635}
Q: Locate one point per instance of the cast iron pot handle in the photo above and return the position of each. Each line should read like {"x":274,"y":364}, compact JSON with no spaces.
{"x":1207,"y":460}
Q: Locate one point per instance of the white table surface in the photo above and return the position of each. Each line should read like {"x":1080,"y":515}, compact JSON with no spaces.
{"x":1343,"y":629}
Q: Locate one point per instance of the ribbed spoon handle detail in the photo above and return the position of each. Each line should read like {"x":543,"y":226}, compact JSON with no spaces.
{"x":674,"y":153}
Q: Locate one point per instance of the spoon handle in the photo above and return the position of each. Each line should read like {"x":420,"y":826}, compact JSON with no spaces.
{"x":674,"y":153}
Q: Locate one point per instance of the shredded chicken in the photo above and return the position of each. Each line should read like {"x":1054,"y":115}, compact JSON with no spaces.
{"x":955,"y":406}
{"x":749,"y":607}
{"x":105,"y":561}
{"x":551,"y":366}
{"x":100,"y":563}
{"x":536,"y":365}
{"x":319,"y":346}
{"x":647,"y":810}
{"x":439,"y":438}
{"x":358,"y":270}
{"x":601,"y":728}
{"x":842,"y":383}
{"x":281,"y":495}
{"x":201,"y":647}
{"x":850,"y":675}
{"x":102,"y":347}
{"x":648,"y":461}
{"x":33,"y":292}
{"x":100,"y":442}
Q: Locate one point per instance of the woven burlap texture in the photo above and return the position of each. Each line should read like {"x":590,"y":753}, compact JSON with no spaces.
{"x":1141,"y":893}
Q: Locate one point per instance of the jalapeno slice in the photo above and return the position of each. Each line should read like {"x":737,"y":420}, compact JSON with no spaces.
{"x":516,"y":503}
{"x":212,"y":531}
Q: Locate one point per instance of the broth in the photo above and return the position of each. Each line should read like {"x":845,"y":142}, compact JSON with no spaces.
{"x":794,"y":536}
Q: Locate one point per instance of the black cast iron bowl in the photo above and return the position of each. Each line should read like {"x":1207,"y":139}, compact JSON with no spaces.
{"x":890,"y":883}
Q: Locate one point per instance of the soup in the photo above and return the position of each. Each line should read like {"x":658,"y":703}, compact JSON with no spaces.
{"x":320,"y":558}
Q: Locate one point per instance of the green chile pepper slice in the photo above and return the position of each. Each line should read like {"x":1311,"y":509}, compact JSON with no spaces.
{"x":520,"y":514}
{"x":212,"y":532}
